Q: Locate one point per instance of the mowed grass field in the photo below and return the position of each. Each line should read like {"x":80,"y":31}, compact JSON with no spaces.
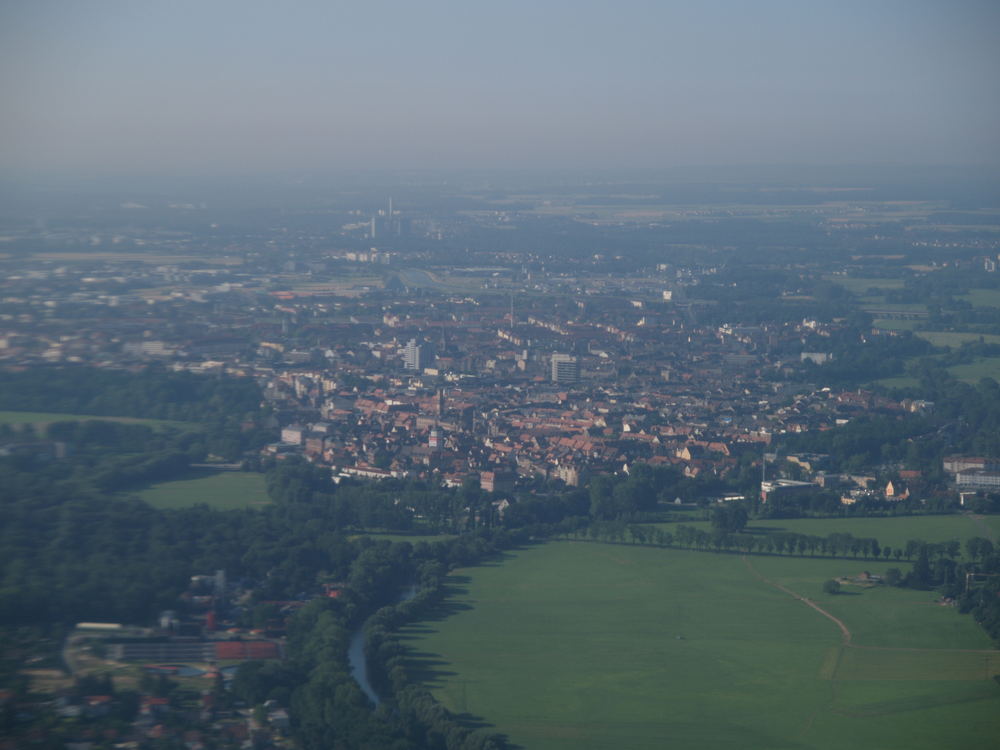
{"x":42,"y":419}
{"x":223,"y":490}
{"x":396,"y":536}
{"x":900,"y":382}
{"x":954,"y":339}
{"x":582,"y":645}
{"x":983,"y":297}
{"x":893,"y":531}
{"x":991,"y":523}
{"x":891,"y":324}
{"x":861,"y":285}
{"x":985,"y":367}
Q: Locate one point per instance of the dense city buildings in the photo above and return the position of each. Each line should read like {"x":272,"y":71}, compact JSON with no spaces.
{"x":565,"y":369}
{"x":417,"y":359}
{"x":491,"y":371}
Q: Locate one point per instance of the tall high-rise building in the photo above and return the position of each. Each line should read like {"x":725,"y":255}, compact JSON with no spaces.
{"x":565,"y":368}
{"x":414,"y":356}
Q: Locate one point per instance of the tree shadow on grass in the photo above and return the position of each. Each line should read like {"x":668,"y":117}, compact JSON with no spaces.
{"x":454,"y":600}
{"x":427,"y":668}
{"x":493,"y":562}
{"x":431,"y":669}
{"x":415,"y":632}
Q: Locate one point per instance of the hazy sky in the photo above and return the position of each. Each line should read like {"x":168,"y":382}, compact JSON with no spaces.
{"x":209,"y":86}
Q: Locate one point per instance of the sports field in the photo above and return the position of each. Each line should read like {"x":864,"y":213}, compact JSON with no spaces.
{"x":223,"y":490}
{"x":582,"y":645}
{"x":42,"y":419}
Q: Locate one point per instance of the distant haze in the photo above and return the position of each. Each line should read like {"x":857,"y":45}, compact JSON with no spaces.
{"x":217,"y":87}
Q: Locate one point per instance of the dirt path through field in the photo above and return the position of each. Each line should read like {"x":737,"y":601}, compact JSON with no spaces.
{"x":845,"y":634}
{"x":845,"y":641}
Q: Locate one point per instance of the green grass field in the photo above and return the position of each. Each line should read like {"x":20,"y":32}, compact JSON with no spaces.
{"x":895,"y":531}
{"x":991,"y":523}
{"x":875,"y":304}
{"x":403,"y":537}
{"x":223,"y":490}
{"x":42,"y":419}
{"x":580,"y":645}
{"x":954,"y":339}
{"x":986,"y":367}
{"x":860,"y":286}
{"x":904,"y":381}
{"x":880,"y":616}
{"x":891,"y":324}
{"x":983,"y":297}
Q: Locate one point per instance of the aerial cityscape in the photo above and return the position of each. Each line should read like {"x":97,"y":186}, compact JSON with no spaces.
{"x":380,"y":389}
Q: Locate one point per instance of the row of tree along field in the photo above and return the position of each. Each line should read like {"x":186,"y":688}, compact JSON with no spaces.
{"x":778,"y":542}
{"x":69,"y":552}
{"x":289,"y":547}
{"x":934,"y":564}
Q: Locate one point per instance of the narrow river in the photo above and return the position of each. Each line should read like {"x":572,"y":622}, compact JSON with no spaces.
{"x":356,"y":653}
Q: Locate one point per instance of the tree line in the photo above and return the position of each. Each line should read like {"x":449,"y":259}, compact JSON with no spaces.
{"x":973,"y":581}
{"x":154,"y":393}
{"x":723,"y":539}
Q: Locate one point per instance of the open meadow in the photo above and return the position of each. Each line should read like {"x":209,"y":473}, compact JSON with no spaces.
{"x":222,"y":490}
{"x":989,"y":525}
{"x":891,"y":324}
{"x":903,"y":381}
{"x":585,"y":645}
{"x":132,"y":257}
{"x":41,"y":420}
{"x":400,"y":536}
{"x":894,"y":531}
{"x":860,"y":285}
{"x":983,"y":367}
{"x":982,"y":297}
{"x":955,"y":339}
